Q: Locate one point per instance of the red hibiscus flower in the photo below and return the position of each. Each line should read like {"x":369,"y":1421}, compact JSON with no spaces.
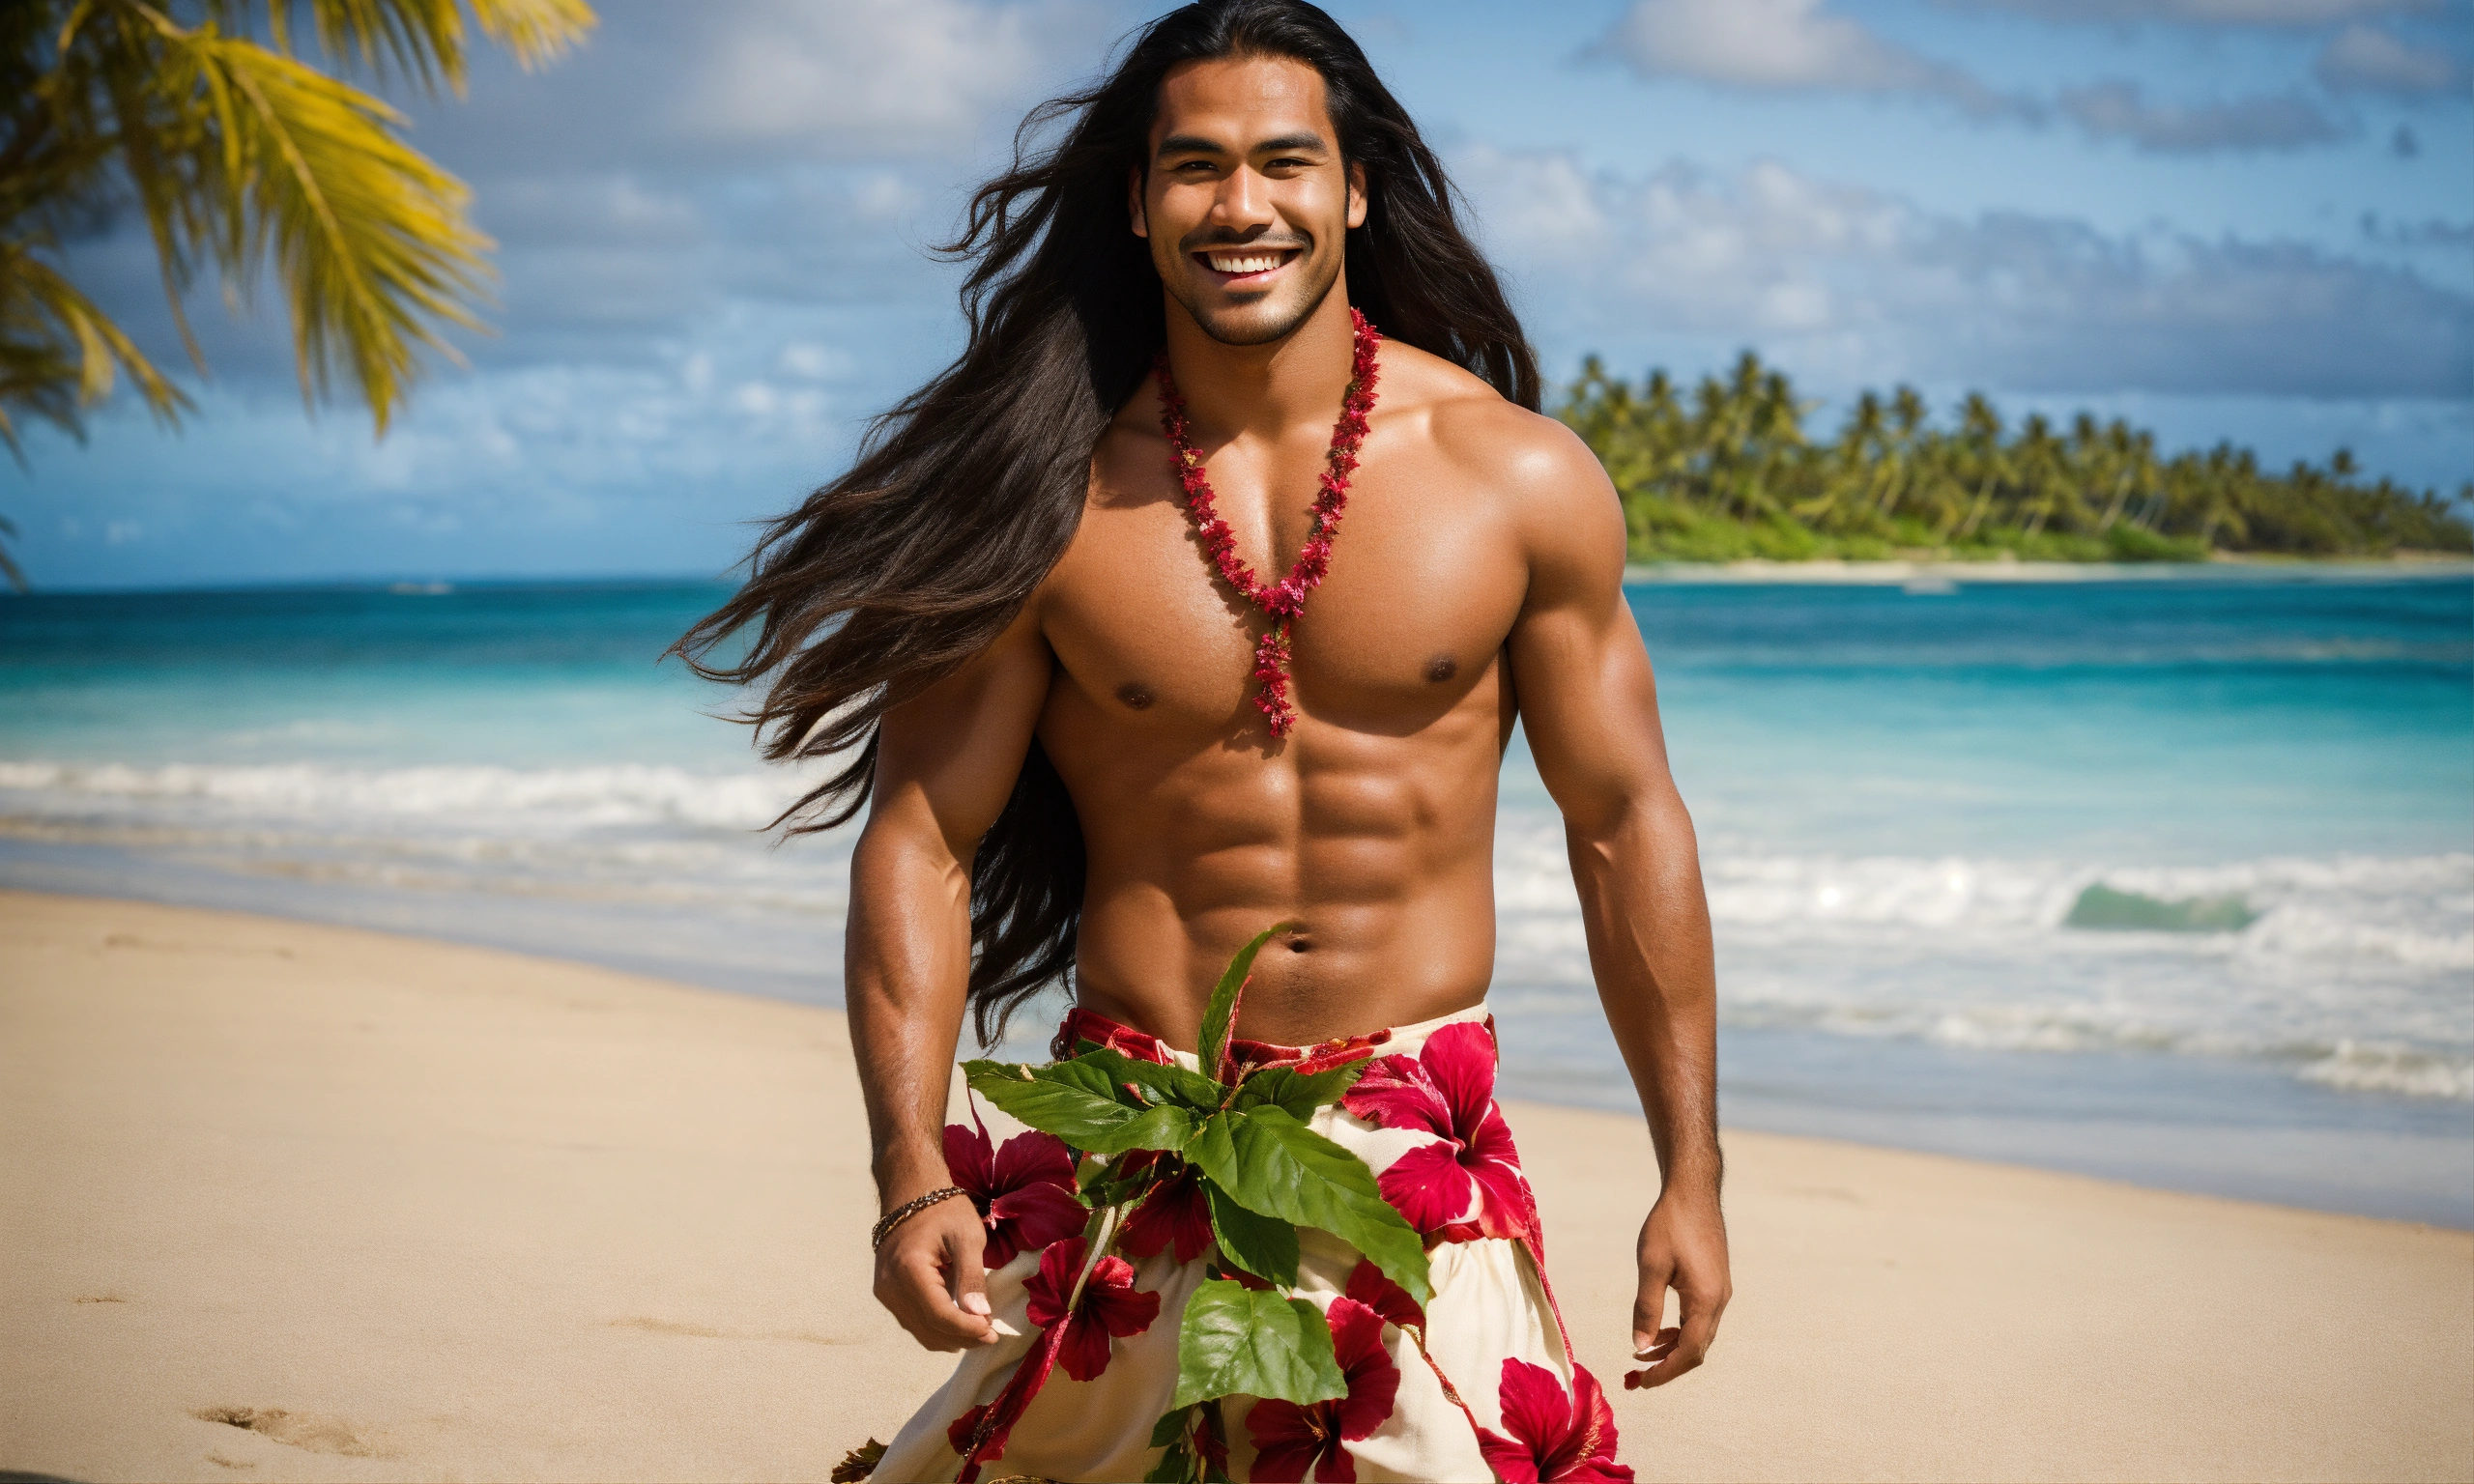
{"x":1025,"y":1191}
{"x":1175,"y":1211}
{"x":1081,"y":1025}
{"x":1368,"y":1285}
{"x":1469,"y":1185}
{"x":959,"y":1436}
{"x":1290,"y":1439}
{"x":1554,"y":1437}
{"x":1109,"y":1305}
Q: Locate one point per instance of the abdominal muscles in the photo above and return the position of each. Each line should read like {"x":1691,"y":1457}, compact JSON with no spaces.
{"x":1377,"y":849}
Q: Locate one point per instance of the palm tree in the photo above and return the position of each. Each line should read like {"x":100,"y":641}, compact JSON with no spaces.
{"x":1981,"y":454}
{"x":1734,"y":474}
{"x":242,"y":156}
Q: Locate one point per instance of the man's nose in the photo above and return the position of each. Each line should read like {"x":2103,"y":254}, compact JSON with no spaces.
{"x":1243,"y":202}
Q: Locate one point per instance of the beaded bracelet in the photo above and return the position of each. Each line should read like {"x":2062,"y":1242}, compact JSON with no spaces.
{"x":905,"y":1210}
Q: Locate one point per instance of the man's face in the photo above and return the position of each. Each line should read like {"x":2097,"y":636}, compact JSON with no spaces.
{"x":1246,"y":203}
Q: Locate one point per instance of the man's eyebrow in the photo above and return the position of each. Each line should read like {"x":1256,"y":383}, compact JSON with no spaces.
{"x":1196,"y":144}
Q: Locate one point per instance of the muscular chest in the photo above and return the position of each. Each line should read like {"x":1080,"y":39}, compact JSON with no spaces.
{"x":1425,"y":585}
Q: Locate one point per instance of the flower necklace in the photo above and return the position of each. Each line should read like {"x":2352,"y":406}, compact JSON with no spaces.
{"x":1285,"y":600}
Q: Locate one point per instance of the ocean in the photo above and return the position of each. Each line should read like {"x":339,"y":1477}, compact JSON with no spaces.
{"x":2165,"y":876}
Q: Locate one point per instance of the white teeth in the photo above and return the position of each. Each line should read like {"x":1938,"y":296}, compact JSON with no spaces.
{"x":1243,"y":262}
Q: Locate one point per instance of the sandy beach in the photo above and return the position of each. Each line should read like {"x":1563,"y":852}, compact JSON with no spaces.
{"x":293,"y":1202}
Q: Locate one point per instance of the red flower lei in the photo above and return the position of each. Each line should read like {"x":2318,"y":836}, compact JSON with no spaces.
{"x":1286,"y":599}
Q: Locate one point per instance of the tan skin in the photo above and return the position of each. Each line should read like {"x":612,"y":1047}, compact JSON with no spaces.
{"x":1478,"y":573}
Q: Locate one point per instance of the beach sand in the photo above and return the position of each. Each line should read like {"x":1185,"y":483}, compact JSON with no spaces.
{"x":293,"y":1201}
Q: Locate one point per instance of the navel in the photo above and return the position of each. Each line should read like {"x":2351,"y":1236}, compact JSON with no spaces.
{"x":1442,"y":667}
{"x":1134,"y":694}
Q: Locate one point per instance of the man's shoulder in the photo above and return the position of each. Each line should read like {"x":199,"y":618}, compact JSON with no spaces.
{"x":1501,"y":450}
{"x":1474,"y":426}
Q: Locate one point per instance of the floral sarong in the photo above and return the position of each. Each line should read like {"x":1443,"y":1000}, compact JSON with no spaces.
{"x":1482,"y":1383}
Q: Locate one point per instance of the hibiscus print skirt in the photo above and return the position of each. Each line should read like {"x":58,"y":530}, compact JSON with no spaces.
{"x":1480,"y":1384}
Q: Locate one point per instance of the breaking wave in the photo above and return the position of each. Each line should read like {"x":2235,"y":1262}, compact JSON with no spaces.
{"x":2351,"y":972}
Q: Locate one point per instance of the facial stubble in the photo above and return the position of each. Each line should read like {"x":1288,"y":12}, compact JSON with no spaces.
{"x":1180,"y":288}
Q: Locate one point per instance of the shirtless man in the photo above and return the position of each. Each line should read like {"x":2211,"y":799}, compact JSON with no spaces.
{"x":1477,"y":577}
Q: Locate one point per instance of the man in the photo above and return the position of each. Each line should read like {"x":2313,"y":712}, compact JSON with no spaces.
{"x":1102,"y":736}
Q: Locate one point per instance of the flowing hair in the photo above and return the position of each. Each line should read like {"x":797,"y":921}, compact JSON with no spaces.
{"x":964,"y":496}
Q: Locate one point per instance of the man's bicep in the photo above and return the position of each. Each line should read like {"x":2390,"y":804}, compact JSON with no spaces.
{"x":1588,"y":700}
{"x":950,"y":755}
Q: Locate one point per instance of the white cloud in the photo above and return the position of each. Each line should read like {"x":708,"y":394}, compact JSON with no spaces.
{"x":2119,"y":110}
{"x":1784,"y":44}
{"x":1855,"y":286}
{"x":865,"y":77}
{"x":2200,"y":12}
{"x":2365,"y":59}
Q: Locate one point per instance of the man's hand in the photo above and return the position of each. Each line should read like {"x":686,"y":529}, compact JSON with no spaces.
{"x":928,"y":1277}
{"x":1684,"y":1246}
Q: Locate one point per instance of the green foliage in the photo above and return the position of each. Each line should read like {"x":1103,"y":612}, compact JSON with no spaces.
{"x":1264,"y":1174}
{"x":1242,"y":1341}
{"x":1284,"y":1088}
{"x":1260,"y":1244}
{"x":1730,"y":472}
{"x":1083,"y":1102}
{"x":1219,"y":1016}
{"x":1191,"y":1435}
{"x":1272,"y":1163}
{"x":243,"y":158}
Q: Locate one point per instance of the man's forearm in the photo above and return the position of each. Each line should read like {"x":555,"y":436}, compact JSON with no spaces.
{"x":1648,"y":922}
{"x":907,"y":965}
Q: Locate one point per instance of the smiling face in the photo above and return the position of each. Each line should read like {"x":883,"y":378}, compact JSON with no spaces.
{"x":1246,"y":203}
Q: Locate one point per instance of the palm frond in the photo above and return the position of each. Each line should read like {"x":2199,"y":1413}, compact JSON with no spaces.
{"x":370,"y":239}
{"x":14,"y":574}
{"x":425,"y":38}
{"x":59,"y":353}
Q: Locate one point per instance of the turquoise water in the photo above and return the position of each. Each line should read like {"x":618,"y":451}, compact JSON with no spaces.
{"x":1900,"y":793}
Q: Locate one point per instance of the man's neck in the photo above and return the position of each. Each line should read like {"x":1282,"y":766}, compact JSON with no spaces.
{"x":1263,"y":390}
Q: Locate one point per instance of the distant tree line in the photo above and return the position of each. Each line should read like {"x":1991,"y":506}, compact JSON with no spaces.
{"x":1729,"y":470}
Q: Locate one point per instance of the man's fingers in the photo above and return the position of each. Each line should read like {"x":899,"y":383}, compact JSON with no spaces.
{"x":939,"y":1318}
{"x":969,"y":1279}
{"x":1649,"y":1309}
{"x":929,"y":1267}
{"x":1686,"y":1350}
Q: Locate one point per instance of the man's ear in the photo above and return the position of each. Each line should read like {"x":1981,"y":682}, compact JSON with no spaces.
{"x":1357,"y":194}
{"x":1134,"y":203}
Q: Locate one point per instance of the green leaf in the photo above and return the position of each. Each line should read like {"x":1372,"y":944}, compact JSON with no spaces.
{"x":1081,"y":1103}
{"x":1272,"y":1164}
{"x":1221,"y":1016}
{"x":1235,"y":1340}
{"x":1265,"y":1246}
{"x":1171,"y":1429}
{"x":1165,"y":1084}
{"x":1163,"y":1127}
{"x":1175,"y":1464}
{"x":1299,"y":1096}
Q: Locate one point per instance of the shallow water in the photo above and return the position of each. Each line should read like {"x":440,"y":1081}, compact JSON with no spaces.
{"x":1901,"y":796}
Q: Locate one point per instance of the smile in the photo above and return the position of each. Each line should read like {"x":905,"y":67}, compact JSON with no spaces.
{"x":1237,"y":264}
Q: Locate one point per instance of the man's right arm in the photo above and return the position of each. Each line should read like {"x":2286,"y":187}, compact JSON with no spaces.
{"x":946,"y":763}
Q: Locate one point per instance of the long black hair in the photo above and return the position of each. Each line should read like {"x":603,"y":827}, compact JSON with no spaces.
{"x":965,"y":495}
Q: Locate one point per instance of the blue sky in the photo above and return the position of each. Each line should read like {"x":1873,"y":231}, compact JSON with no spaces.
{"x":2223,"y":219}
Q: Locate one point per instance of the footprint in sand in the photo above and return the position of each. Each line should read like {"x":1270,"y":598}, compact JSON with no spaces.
{"x":307,"y":1431}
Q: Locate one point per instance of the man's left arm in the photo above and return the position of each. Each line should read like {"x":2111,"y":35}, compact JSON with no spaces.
{"x":1589,"y":704}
